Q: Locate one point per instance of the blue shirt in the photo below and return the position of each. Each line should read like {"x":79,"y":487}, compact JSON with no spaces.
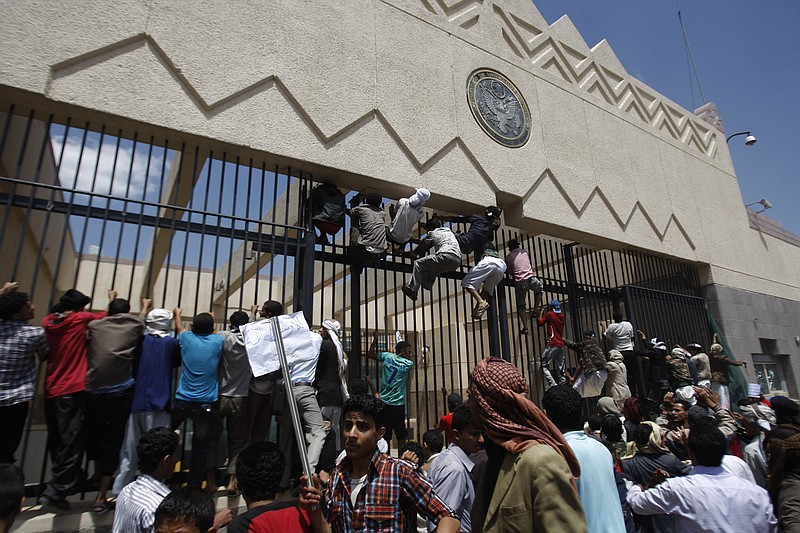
{"x":596,"y":486}
{"x":451,"y":477}
{"x":394,"y":378}
{"x":153,"y":370}
{"x":200,"y":355}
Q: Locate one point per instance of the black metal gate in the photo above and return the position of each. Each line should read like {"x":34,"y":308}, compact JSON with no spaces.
{"x":201,"y":225}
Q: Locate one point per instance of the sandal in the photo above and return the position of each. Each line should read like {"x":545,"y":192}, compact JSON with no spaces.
{"x":524,"y":331}
{"x":479,"y":311}
{"x":102,"y":507}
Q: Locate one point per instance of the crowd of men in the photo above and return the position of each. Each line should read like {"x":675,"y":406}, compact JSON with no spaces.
{"x":662,"y":450}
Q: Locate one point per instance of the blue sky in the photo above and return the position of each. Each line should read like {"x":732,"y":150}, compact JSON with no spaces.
{"x":748,"y":59}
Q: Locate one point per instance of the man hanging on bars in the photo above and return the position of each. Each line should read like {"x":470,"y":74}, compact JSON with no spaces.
{"x":446,"y":258}
{"x":481,"y":279}
{"x":406,"y":215}
{"x":65,"y":392}
{"x":481,"y":229}
{"x":368,"y":231}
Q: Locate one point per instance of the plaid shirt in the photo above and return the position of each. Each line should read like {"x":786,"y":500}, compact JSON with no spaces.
{"x":19,"y":344}
{"x":389,"y":501}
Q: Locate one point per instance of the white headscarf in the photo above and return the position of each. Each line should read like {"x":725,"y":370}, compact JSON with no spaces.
{"x":158,"y":322}
{"x":419,"y":197}
{"x":334,"y":329}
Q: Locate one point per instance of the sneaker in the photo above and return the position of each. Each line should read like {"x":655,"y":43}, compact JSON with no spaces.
{"x":58,"y":504}
{"x":409,"y":293}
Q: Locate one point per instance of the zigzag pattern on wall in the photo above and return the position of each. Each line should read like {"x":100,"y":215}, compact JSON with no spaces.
{"x":597,"y":195}
{"x":210,"y":109}
{"x":538,"y":45}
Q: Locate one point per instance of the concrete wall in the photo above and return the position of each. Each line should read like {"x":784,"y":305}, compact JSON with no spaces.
{"x":748,"y":318}
{"x":374,"y":91}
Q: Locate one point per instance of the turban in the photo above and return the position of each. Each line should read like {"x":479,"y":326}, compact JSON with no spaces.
{"x":157,"y":322}
{"x":512,"y":420}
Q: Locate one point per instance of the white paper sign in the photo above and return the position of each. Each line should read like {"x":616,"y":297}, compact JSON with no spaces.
{"x":262,"y":350}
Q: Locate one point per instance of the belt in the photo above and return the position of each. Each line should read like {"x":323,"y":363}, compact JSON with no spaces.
{"x":302,"y":384}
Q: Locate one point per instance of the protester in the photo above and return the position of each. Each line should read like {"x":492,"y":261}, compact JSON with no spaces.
{"x":152,"y":391}
{"x":327,"y":210}
{"x":702,"y":363}
{"x":330,"y":381}
{"x":234,"y":388}
{"x":406,"y":215}
{"x":446,"y":257}
{"x":259,"y":399}
{"x":258,"y":475}
{"x":553,"y":322}
{"x":370,"y":491}
{"x":519,"y":266}
{"x":451,"y":471}
{"x":783,"y":469}
{"x":596,"y":485}
{"x":368,"y":231}
{"x":432,"y":444}
{"x":481,"y":228}
{"x":482,"y":279}
{"x":157,"y":453}
{"x":65,"y":392}
{"x":113,"y":343}
{"x":620,"y":337}
{"x":302,"y":371}
{"x":394,"y":383}
{"x":720,"y":374}
{"x":616,"y":386}
{"x":20,"y":344}
{"x":590,"y":374}
{"x":531,"y":468}
{"x":197,"y":396}
{"x":656,"y":354}
{"x":709,"y":499}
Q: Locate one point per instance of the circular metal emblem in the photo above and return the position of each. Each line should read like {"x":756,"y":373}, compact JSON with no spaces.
{"x":499,"y":108}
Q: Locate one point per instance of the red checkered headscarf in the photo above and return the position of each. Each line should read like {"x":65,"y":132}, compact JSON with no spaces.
{"x":512,"y":420}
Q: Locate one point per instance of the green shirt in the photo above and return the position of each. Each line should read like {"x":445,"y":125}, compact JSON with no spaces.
{"x":394,"y":378}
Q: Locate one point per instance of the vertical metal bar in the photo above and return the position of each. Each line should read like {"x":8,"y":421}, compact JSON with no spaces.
{"x":89,"y":203}
{"x":141,"y":216}
{"x":15,"y":175}
{"x":189,"y":220}
{"x":203,"y":234}
{"x":218,"y":233}
{"x":29,"y":207}
{"x":124,"y":208}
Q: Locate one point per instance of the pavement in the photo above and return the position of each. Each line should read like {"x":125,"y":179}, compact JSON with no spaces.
{"x":38,"y":519}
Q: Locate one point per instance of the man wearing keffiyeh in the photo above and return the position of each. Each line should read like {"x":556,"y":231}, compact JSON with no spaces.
{"x":329,"y":379}
{"x":529,"y":482}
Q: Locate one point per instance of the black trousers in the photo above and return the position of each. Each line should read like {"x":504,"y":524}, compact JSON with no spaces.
{"x":633,"y":365}
{"x":65,"y":438}
{"x":395,"y":423}
{"x":106,"y":417}
{"x":203,"y":416}
{"x":12,"y":420}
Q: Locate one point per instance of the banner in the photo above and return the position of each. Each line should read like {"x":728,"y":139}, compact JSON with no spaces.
{"x":299,"y":342}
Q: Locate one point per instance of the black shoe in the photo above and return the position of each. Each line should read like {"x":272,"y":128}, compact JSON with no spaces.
{"x":58,"y":504}
{"x":409,"y":293}
{"x":322,"y":239}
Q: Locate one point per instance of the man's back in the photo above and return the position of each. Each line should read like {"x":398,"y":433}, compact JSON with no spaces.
{"x":66,"y":360}
{"x":136,"y":505}
{"x":276,"y":516}
{"x":200,"y":356}
{"x":394,"y":378}
{"x":112,"y":343}
{"x":596,"y":486}
{"x":708,"y":500}
{"x":153,"y":388}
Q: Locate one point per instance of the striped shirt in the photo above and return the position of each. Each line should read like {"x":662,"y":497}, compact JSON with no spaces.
{"x":136,"y":505}
{"x":394,"y":493}
{"x":19,"y":344}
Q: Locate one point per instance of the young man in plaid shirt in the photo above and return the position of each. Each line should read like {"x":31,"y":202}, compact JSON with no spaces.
{"x":370,"y":491}
{"x":19,"y":344}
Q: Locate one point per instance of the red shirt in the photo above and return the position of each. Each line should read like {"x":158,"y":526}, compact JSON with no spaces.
{"x":66,"y":360}
{"x":446,"y":425}
{"x":554,"y":328}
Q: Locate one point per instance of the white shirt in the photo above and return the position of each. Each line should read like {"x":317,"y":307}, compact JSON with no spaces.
{"x":620,"y":334}
{"x":136,"y":505}
{"x":735,"y":466}
{"x":405,"y":218}
{"x":708,"y":500}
